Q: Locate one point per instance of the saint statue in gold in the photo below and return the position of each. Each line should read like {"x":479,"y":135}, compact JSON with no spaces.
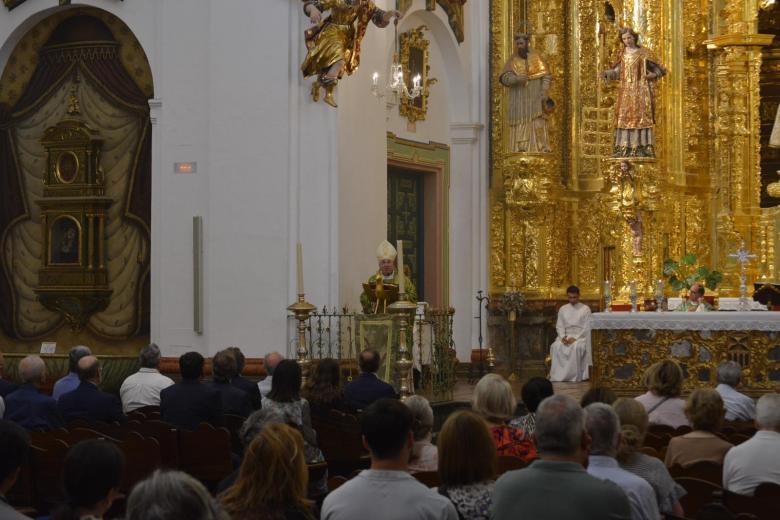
{"x":636,"y":69}
{"x":528,"y":78}
{"x":334,"y":42}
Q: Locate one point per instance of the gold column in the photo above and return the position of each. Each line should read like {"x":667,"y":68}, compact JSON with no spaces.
{"x":737,"y":179}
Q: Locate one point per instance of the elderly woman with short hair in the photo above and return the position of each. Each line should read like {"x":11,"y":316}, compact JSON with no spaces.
{"x":495,"y":402}
{"x":704,"y":408}
{"x":662,"y":401}
{"x":633,"y":428}
{"x":171,"y":495}
{"x":425,"y":456}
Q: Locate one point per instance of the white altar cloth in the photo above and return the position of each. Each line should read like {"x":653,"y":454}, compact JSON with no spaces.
{"x":701,"y":321}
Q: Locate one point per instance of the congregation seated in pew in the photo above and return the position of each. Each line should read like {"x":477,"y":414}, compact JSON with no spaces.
{"x":633,"y":429}
{"x":467,"y":476}
{"x":495,"y":402}
{"x":143,"y":388}
{"x":190,"y":402}
{"x":466,"y":483}
{"x":285,"y":398}
{"x":91,"y":476}
{"x":70,"y":381}
{"x":27,"y":406}
{"x":704,"y":409}
{"x":234,"y":400}
{"x":662,"y":400}
{"x":425,"y":457}
{"x":739,"y":407}
{"x":367,"y":387}
{"x":273,"y":478}
{"x":323,"y":388}
{"x":87,"y":401}
{"x":14,"y":452}
{"x":756,"y":460}
{"x":242,"y":383}
{"x":172,"y":495}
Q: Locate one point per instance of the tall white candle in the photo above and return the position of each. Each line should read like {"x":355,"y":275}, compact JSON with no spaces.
{"x":299,"y":264}
{"x":401,"y":277}
{"x":607,"y":288}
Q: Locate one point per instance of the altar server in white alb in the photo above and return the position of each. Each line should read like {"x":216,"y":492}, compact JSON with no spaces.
{"x":570,"y":354}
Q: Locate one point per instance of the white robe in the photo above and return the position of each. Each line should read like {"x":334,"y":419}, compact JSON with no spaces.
{"x":571,"y":362}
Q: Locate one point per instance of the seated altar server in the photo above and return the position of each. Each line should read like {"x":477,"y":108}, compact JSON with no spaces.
{"x":570,"y":354}
{"x":695,"y":301}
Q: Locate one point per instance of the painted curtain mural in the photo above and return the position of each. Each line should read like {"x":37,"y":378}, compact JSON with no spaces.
{"x":81,"y":57}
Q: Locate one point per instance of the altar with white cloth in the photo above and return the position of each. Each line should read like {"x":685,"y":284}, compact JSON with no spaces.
{"x":624,"y":344}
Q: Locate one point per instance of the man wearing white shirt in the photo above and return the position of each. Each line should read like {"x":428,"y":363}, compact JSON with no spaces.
{"x":756,"y":460}
{"x":143,"y":388}
{"x":603,"y":426}
{"x":570,"y":354}
{"x":739,"y":407}
{"x":269,"y":362}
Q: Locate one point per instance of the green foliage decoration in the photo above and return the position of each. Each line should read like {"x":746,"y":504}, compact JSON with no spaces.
{"x":684,"y":273}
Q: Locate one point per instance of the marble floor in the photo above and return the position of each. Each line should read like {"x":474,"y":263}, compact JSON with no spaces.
{"x":464,"y":389}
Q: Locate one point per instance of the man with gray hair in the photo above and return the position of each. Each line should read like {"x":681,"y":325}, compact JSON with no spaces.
{"x":71,"y":381}
{"x":143,"y":388}
{"x":739,"y":407}
{"x":28,"y":407}
{"x":756,"y":460}
{"x":557,"y":487}
{"x":603,"y":426}
{"x":269,"y":362}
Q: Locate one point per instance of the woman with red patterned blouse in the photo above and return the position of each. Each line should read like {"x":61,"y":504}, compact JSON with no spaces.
{"x":494,"y":400}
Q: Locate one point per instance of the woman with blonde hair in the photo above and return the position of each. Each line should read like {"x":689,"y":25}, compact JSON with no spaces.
{"x":662,"y":400}
{"x":495,"y":402}
{"x":705,"y":410}
{"x":272,"y":480}
{"x":467,"y":475}
{"x":633,"y":425}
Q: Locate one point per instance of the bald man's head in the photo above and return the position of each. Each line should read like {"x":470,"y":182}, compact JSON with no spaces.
{"x":89,"y":369}
{"x":271,"y":360}
{"x":32,"y":370}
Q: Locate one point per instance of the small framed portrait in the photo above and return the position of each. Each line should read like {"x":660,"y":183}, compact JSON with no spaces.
{"x":67,"y":167}
{"x":65,"y":242}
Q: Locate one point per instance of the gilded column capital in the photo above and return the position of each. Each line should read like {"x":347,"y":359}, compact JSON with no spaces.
{"x":739,"y":40}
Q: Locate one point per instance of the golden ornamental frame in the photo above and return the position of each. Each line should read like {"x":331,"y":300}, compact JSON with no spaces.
{"x":58,"y":167}
{"x":409,"y":40}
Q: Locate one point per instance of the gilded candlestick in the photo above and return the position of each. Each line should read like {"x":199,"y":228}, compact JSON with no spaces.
{"x":404,"y":309}
{"x":302,"y":309}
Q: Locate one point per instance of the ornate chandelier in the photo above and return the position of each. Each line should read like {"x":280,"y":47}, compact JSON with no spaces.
{"x":396,"y":86}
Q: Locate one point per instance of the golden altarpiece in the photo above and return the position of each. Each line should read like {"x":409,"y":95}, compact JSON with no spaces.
{"x":73,"y":279}
{"x":572,"y":216}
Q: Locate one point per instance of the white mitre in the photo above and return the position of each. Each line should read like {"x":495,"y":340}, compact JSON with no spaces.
{"x":386,"y":251}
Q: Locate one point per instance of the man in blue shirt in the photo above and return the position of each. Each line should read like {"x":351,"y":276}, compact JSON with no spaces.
{"x":71,"y":381}
{"x":29,"y":408}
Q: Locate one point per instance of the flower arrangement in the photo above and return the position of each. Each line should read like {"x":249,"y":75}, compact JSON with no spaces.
{"x":513,"y":303}
{"x":683,"y":274}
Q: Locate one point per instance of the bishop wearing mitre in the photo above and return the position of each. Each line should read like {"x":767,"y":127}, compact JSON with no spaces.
{"x":388,"y":274}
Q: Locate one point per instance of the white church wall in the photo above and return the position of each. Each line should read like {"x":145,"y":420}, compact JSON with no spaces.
{"x":456,"y":117}
{"x":274,"y":168}
{"x":362,"y":168}
{"x":228,"y":96}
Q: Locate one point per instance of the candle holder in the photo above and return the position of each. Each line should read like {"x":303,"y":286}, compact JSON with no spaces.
{"x":302,"y":309}
{"x":607,"y":291}
{"x":405,"y":309}
{"x":633,"y":296}
{"x":659,"y":296}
